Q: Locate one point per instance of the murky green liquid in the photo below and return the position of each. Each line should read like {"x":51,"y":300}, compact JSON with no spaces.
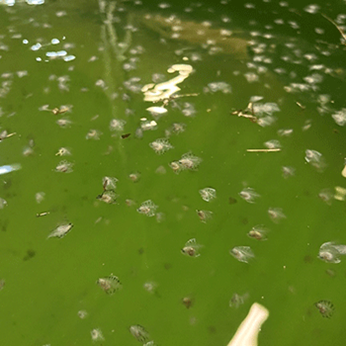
{"x":48,"y":281}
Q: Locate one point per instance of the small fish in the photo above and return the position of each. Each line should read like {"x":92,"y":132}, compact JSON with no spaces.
{"x":139,"y":333}
{"x":325,"y":307}
{"x":242,"y":253}
{"x":148,"y":208}
{"x":191,"y":248}
{"x":109,"y":284}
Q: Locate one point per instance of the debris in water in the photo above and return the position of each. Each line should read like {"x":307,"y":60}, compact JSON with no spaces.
{"x":61,"y":230}
{"x":263,"y":150}
{"x":44,"y":213}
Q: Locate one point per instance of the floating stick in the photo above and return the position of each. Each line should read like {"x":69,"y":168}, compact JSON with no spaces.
{"x":263,"y":150}
{"x":336,"y":25}
{"x":247,"y":333}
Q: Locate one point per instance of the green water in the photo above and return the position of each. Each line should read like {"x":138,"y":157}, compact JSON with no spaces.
{"x":48,"y":281}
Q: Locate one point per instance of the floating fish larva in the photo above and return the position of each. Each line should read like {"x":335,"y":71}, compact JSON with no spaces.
{"x":109,"y":284}
{"x":176,"y":166}
{"x":61,"y":230}
{"x":242,"y":253}
{"x":207,"y":194}
{"x":189,"y":161}
{"x":148,"y":208}
{"x":63,"y":152}
{"x":117,"y":125}
{"x":108,"y":196}
{"x":248,"y":194}
{"x":276,"y":214}
{"x":64,"y":167}
{"x":161,"y":145}
{"x":330,"y":252}
{"x":150,"y":286}
{"x":139,"y":332}
{"x":258,"y":232}
{"x":82,"y":314}
{"x":109,"y":183}
{"x":96,"y":335}
{"x":325,"y":307}
{"x":93,"y":134}
{"x":188,"y":302}
{"x":238,"y":300}
{"x":204,"y":215}
{"x":135,"y":176}
{"x":191,"y":248}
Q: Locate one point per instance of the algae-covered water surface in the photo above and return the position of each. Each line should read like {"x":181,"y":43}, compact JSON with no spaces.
{"x":166,"y":165}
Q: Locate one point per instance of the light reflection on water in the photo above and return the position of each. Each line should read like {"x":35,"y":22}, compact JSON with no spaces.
{"x":230,"y":96}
